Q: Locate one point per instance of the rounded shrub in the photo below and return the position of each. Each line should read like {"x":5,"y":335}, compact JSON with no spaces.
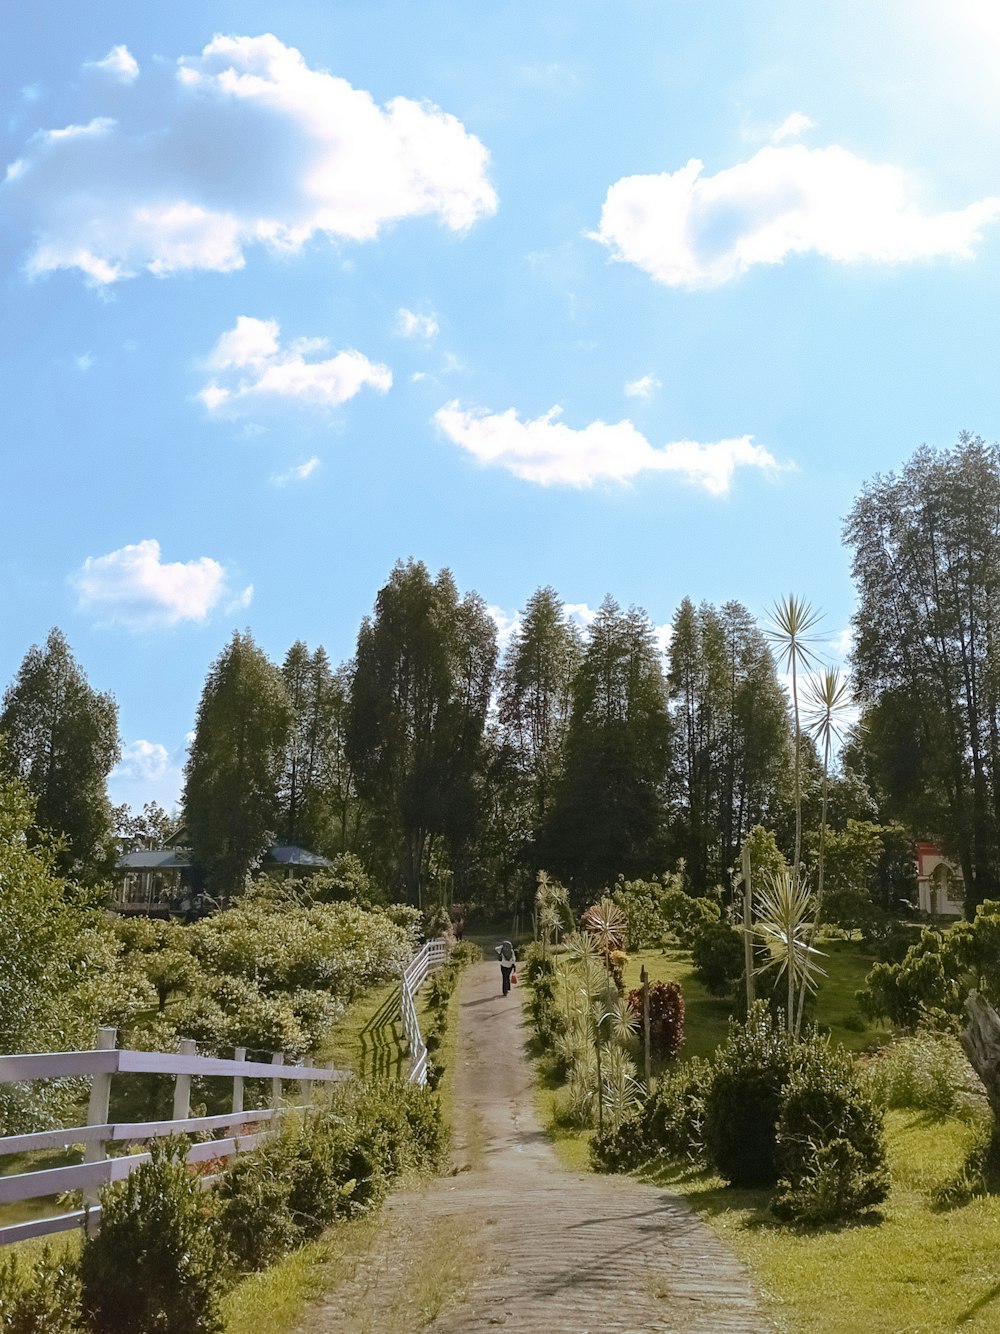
{"x":744,"y":1099}
{"x":670,"y":1124}
{"x":830,"y":1140}
{"x":254,"y":1220}
{"x":717,"y":955}
{"x":155,"y":1264}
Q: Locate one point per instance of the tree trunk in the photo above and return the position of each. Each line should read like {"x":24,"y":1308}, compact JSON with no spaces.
{"x":980,"y":1041}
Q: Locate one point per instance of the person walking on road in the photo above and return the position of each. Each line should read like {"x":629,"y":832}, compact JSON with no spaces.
{"x":508,"y":963}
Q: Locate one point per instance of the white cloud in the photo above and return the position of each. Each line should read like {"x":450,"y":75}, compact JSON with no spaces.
{"x":663,"y":634}
{"x":85,"y":361}
{"x":842,"y":643}
{"x":142,"y":761}
{"x":297,"y":474}
{"x":645,"y":387}
{"x":581,"y":613}
{"x":241,"y":601}
{"x":120,"y":63}
{"x":253,"y":366}
{"x":135,"y":586}
{"x":411,"y":325}
{"x":249,"y":146}
{"x":547,"y":451}
{"x":792,"y":127}
{"x":686,"y":229}
{"x":507,"y":624}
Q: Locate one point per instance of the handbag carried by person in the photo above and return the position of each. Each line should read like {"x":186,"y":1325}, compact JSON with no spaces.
{"x":513,"y":977}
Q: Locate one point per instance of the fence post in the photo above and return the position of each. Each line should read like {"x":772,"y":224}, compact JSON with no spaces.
{"x":182,"y":1083}
{"x":97,"y":1115}
{"x":277,"y":1058}
{"x":239,"y":1054}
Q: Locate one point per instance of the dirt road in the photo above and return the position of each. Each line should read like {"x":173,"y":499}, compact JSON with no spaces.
{"x":534,"y":1248}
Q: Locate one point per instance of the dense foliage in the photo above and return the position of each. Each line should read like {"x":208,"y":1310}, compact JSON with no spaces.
{"x":59,"y":736}
{"x":168,"y":1250}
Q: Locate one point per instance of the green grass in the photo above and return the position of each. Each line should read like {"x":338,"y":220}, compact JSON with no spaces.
{"x":912,"y":1268}
{"x":706,"y":1019}
{"x":368,"y":1039}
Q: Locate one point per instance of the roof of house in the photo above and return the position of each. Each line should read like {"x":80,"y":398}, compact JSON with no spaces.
{"x":287,"y":854}
{"x":159,"y":859}
{"x":167,"y":859}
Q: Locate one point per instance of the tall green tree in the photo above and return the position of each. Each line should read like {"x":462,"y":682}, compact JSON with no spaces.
{"x":420,"y":692}
{"x":60,"y":738}
{"x":926,"y":545}
{"x":535,"y":699}
{"x":608,"y":816}
{"x":231,"y":789}
{"x":731,"y":737}
{"x":310,"y":751}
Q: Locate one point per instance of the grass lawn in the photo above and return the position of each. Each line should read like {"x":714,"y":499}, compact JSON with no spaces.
{"x":915,"y":1269}
{"x":707,"y":1017}
{"x":369,"y":1037}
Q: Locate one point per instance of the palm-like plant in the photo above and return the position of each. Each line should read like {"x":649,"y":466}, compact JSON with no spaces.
{"x":784,"y":909}
{"x":607,"y":925}
{"x":827,"y":700}
{"x":792,"y":621}
{"x":622,"y":1093}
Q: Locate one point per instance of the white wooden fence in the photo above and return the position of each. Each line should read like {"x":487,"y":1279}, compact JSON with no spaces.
{"x":415,"y":974}
{"x":98,"y":1167}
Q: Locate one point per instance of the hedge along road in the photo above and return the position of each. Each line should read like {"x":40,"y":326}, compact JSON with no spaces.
{"x":523,"y":1244}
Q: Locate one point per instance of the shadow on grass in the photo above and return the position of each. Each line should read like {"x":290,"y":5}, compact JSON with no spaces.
{"x":382,"y":1053}
{"x":709,"y":1197}
{"x":980,"y":1304}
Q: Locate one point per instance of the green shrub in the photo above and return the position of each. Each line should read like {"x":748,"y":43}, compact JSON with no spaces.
{"x":717,"y":955}
{"x":743,"y":1101}
{"x":927,"y":1071}
{"x":536,"y":963}
{"x":640,"y":902}
{"x":830,"y":1140}
{"x":666,"y":1017}
{"x":154,"y":1265}
{"x":833,"y":1184}
{"x":42,"y":1297}
{"x":688,"y":916}
{"x":253,"y":1216}
{"x":671,"y":1123}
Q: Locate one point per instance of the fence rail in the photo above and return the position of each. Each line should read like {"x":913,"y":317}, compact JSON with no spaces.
{"x":98,"y":1168}
{"x":246,"y":1128}
{"x":414,"y":975}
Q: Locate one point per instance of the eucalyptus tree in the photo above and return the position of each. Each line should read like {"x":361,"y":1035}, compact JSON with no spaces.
{"x":309,"y":752}
{"x":420,"y":692}
{"x":59,"y":737}
{"x":534,"y":699}
{"x":608,"y":815}
{"x":731,"y":750}
{"x":926,"y":562}
{"x":231,"y":780}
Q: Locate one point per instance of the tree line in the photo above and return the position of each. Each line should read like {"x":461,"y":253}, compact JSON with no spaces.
{"x":455,"y":771}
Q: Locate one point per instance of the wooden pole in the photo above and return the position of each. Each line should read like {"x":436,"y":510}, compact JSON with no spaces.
{"x":644,"y":979}
{"x":748,"y":926}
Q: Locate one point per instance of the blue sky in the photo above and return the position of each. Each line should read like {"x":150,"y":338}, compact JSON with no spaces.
{"x":626,"y":298}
